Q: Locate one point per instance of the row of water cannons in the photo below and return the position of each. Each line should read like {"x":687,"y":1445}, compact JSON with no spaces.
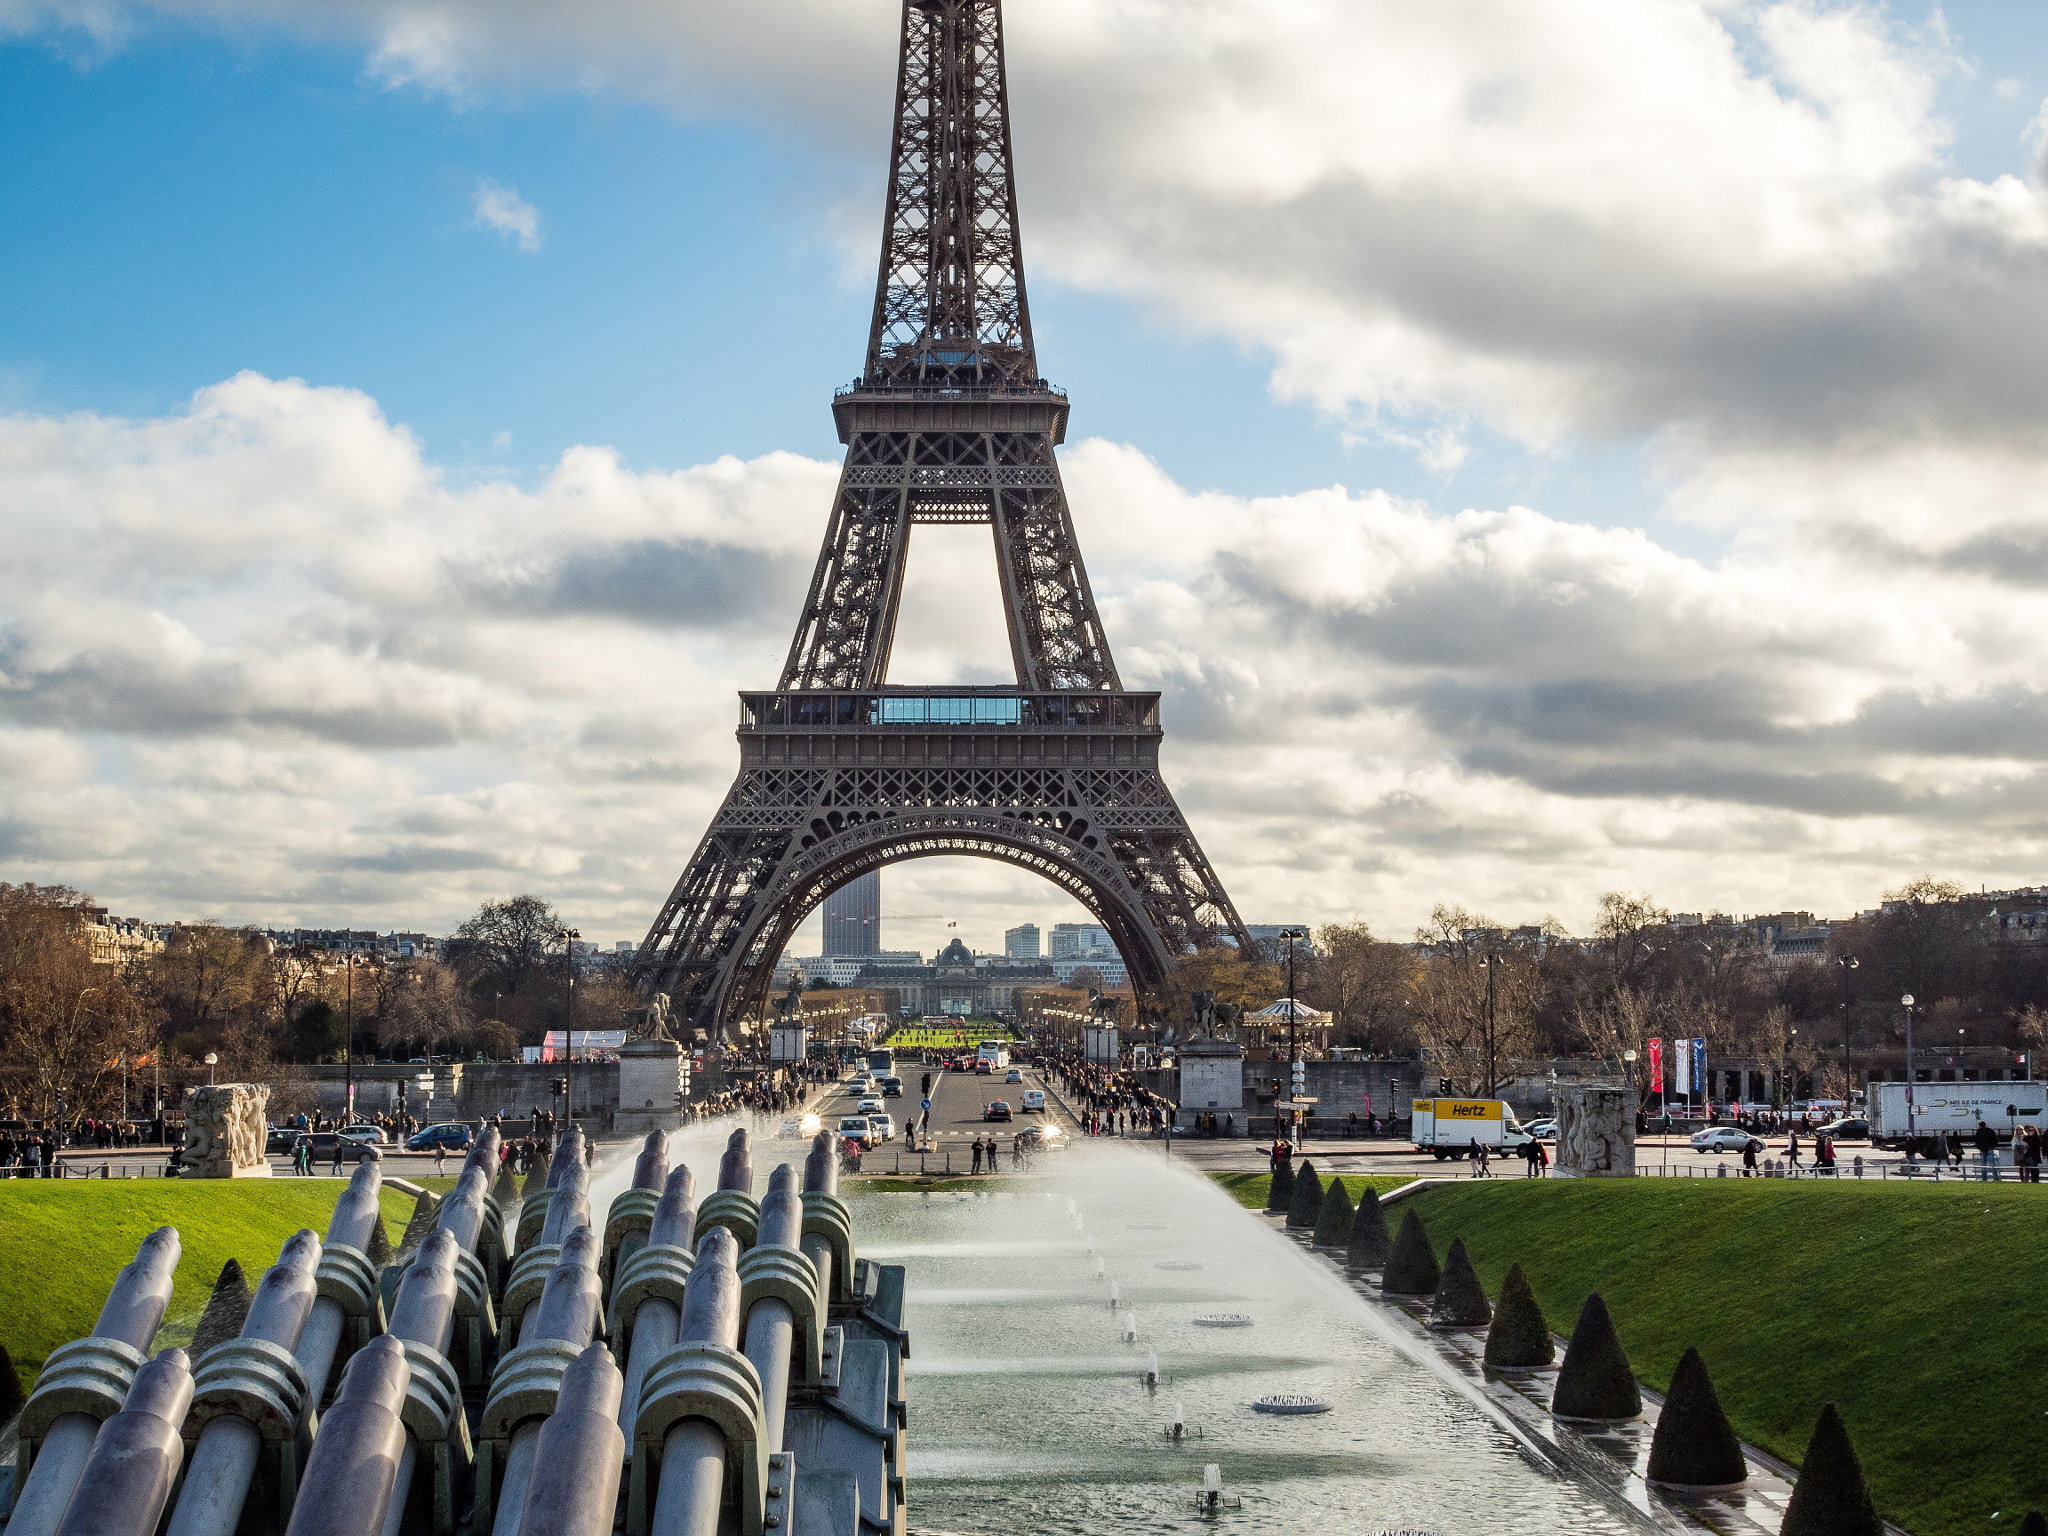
{"x":1211,"y":1497}
{"x":711,"y":1306}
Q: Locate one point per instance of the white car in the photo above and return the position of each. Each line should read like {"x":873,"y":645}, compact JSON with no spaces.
{"x":1014,"y":1077}
{"x":372,"y":1134}
{"x":870,"y":1101}
{"x":1724,"y":1138}
{"x":1034,"y":1099}
{"x":1542,"y":1130}
{"x":881,"y":1128}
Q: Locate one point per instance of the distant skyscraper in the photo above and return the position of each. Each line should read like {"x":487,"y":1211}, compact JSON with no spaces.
{"x":1072,"y":939}
{"x":853,"y":917}
{"x":1021,"y":943}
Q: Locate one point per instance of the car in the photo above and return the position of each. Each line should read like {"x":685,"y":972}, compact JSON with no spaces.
{"x":454,"y":1136}
{"x":870,"y":1101}
{"x":1724,"y":1138}
{"x":373,"y":1134}
{"x":282,"y":1138}
{"x":1044,"y":1138}
{"x":1014,"y":1077}
{"x":1034,"y":1101}
{"x":1542,"y":1130}
{"x":856,"y":1128}
{"x":322,"y":1144}
{"x":1848,"y":1128}
{"x":883,"y":1128}
{"x":892,"y":1087}
{"x":998,"y":1109}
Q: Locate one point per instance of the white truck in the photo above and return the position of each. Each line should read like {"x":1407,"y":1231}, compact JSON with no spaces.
{"x":1448,"y":1127}
{"x":1939,"y":1108}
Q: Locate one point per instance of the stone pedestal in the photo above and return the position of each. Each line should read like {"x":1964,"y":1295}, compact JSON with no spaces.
{"x":1212,"y":1079}
{"x":1596,"y":1134}
{"x":651,"y":1075}
{"x":225,"y":1131}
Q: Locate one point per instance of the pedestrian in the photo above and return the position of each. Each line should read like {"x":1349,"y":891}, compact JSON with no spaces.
{"x":440,"y":1160}
{"x":1478,"y":1153}
{"x":1531,"y":1150}
{"x":1792,"y":1146}
{"x":1987,"y":1151}
{"x":1749,"y":1157}
{"x":977,"y":1155}
{"x":302,"y":1157}
{"x":338,"y":1141}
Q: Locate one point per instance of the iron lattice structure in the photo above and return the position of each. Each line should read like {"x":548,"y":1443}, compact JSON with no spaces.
{"x":841,"y":773}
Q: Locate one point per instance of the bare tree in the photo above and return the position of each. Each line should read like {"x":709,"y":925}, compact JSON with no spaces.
{"x":67,"y":1025}
{"x":1451,"y":1014}
{"x":1622,"y":931}
{"x":507,"y":946}
{"x":1364,"y":983}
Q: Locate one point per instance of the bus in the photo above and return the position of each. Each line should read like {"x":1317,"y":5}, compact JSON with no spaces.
{"x":994,"y":1053}
{"x":882,"y":1064}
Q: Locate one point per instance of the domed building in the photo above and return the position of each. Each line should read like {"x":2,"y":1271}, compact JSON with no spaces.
{"x":960,"y":982}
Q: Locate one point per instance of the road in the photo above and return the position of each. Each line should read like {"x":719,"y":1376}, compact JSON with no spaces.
{"x":958,"y":1101}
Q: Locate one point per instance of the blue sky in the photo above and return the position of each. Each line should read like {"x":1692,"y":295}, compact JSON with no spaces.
{"x":185,"y":199}
{"x":195,"y":202}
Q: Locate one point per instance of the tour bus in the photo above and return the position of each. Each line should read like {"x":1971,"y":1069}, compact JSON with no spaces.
{"x":996,"y":1055}
{"x":1448,"y":1127}
{"x":881,"y":1064}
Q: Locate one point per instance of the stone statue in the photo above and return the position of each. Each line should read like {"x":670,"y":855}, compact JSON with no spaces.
{"x":1205,"y":1012}
{"x":225,"y":1130}
{"x":1596,"y":1134}
{"x":649,"y":1021}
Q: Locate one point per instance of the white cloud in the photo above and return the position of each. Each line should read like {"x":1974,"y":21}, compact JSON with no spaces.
{"x":503,"y":209}
{"x":260,"y":659}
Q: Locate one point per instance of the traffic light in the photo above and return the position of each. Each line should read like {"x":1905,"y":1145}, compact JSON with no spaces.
{"x":1443,"y":1087}
{"x":927,"y":1085}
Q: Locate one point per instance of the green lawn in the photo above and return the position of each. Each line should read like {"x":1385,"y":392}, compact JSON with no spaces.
{"x":1250,"y":1189}
{"x":1913,"y":1308}
{"x":64,"y":1239}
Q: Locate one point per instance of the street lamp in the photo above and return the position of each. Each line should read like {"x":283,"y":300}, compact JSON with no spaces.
{"x":1912,"y":1080}
{"x":1493,"y":962}
{"x":569,"y":939}
{"x":349,"y":961}
{"x":1628,"y":1075}
{"x":1847,"y":965}
{"x":1290,"y":937}
{"x":211,"y":1058}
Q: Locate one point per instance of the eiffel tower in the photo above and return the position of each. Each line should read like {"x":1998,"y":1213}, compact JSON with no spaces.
{"x":949,"y":422}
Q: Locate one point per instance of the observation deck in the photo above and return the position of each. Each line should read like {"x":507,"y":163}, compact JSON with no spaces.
{"x":886,"y":405}
{"x":949,"y":726}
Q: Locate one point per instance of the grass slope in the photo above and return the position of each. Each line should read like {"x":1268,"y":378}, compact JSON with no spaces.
{"x":64,"y":1239}
{"x":1250,"y":1189}
{"x":1913,"y":1308}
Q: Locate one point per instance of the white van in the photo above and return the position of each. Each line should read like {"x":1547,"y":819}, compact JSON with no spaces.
{"x":1034,"y":1098}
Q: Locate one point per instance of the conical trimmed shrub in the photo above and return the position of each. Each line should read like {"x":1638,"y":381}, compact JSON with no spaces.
{"x":11,"y":1396}
{"x":2034,"y":1524}
{"x":1460,"y":1298}
{"x":1370,"y":1239}
{"x":421,"y":1224}
{"x":1411,"y":1268}
{"x":379,"y":1248}
{"x":1596,"y":1382}
{"x":1333,"y":1224}
{"x":225,"y":1312}
{"x":506,"y":1190}
{"x":1519,"y":1339}
{"x":536,"y":1176}
{"x":1694,"y":1445}
{"x":1830,"y":1498}
{"x":1282,"y":1190}
{"x":1305,"y":1204}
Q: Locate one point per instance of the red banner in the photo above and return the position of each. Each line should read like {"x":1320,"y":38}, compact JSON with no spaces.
{"x":1656,"y":1066}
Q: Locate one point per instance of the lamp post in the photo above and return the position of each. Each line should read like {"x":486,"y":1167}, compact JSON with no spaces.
{"x":1912,"y":1081}
{"x":1628,"y":1076}
{"x":211,"y":1058}
{"x":1291,"y":937}
{"x":569,"y":939}
{"x":1847,"y":965}
{"x":1493,"y":961}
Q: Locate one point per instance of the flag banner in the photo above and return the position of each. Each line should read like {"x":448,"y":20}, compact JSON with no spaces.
{"x":1681,"y":1066}
{"x":1656,"y":1066}
{"x":1699,"y":1066}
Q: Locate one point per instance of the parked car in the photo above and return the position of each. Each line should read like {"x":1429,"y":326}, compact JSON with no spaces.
{"x":322,"y":1144}
{"x":1034,"y":1101}
{"x":1848,"y":1128}
{"x":1724,"y":1138}
{"x":454,"y":1136}
{"x":998,"y":1109}
{"x":373,"y":1134}
{"x":1014,"y":1077}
